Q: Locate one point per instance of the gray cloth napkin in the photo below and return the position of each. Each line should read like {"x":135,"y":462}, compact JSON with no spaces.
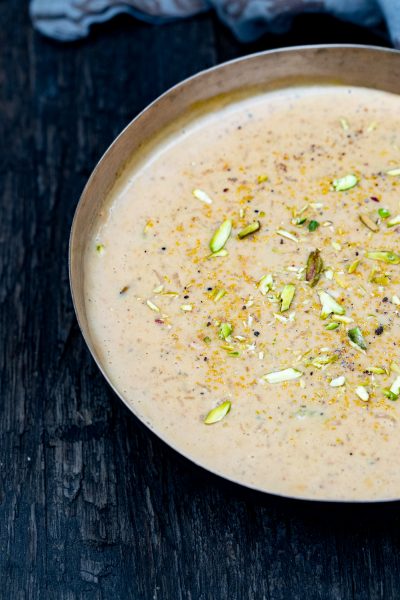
{"x":248,"y":19}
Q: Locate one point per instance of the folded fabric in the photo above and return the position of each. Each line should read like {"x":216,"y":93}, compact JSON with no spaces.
{"x":248,"y":19}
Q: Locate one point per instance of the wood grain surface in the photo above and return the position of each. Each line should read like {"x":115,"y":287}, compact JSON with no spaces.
{"x":92,"y":505}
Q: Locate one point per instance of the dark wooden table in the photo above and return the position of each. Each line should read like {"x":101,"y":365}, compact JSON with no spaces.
{"x":93,"y":506}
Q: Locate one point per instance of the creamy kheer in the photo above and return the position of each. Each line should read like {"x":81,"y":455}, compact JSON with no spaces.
{"x":242,"y":290}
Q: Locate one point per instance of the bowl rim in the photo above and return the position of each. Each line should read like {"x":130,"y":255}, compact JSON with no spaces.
{"x":181,"y":84}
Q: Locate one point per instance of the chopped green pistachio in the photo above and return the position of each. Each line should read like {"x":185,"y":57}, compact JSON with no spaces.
{"x":262,"y":178}
{"x":299,"y":221}
{"x":233,"y":353}
{"x":281,"y":376}
{"x":384,"y":213}
{"x":158,"y":289}
{"x":344,"y":319}
{"x":313,"y":225}
{"x":218,"y":413}
{"x":395,"y":387}
{"x":265,"y":284}
{"x":357,"y":337}
{"x":385,"y":256}
{"x":332,"y":326}
{"x":336,"y":246}
{"x":379,"y":278}
{"x":393,"y":222}
{"x":345,"y":183}
{"x":353,"y":267}
{"x":287,"y":235}
{"x":262,"y":213}
{"x":221,"y":236}
{"x":251,"y":228}
{"x":344,"y":123}
{"x":390,"y":395}
{"x":377,"y":370}
{"x":393,"y":172}
{"x":338,"y":381}
{"x":314,"y":267}
{"x":225,"y":330}
{"x":202,"y":196}
{"x":170,"y":294}
{"x":222,"y":252}
{"x":217,"y":294}
{"x":322,"y":360}
{"x":100,"y":249}
{"x":151,"y":305}
{"x":207,"y":339}
{"x":329,"y":305}
{"x":287,"y":296}
{"x":368,"y":222}
{"x":362,"y":393}
{"x":186,"y":307}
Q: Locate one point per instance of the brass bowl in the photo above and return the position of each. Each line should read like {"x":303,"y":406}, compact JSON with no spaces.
{"x":365,"y":66}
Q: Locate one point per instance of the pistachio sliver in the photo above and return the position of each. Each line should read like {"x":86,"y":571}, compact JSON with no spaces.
{"x":356,"y":336}
{"x":217,"y":294}
{"x":393,"y":172}
{"x":187,"y":307}
{"x":395,"y":387}
{"x":265,"y":284}
{"x":202,"y":196}
{"x":221,"y":236}
{"x":100,"y":249}
{"x":344,"y":319}
{"x":390,"y":395}
{"x":362,"y":393}
{"x":249,"y":229}
{"x":329,"y":305}
{"x":287,"y":296}
{"x":332,"y":326}
{"x":345,"y":183}
{"x":338,"y":381}
{"x":322,"y":360}
{"x":384,"y":213}
{"x":314,"y":267}
{"x":218,"y":413}
{"x":152,"y":306}
{"x":281,"y":376}
{"x":353,"y":267}
{"x":287,"y":235}
{"x":313,"y":225}
{"x":393,"y":221}
{"x":225,"y":330}
{"x":377,"y":370}
{"x":368,"y":222}
{"x":386,"y":256}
